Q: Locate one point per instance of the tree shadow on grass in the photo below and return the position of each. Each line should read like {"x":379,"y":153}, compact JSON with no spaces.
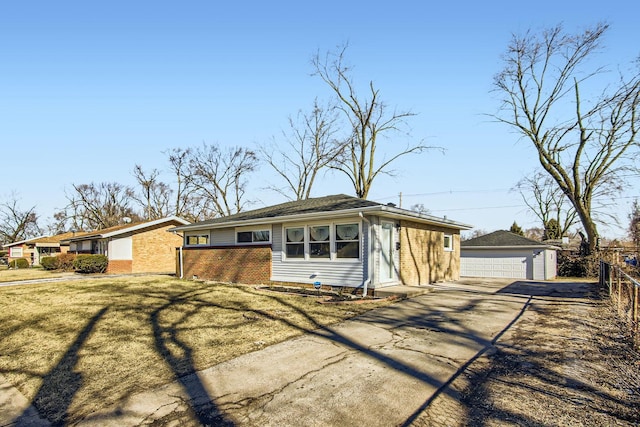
{"x":61,"y":383}
{"x":179,"y":357}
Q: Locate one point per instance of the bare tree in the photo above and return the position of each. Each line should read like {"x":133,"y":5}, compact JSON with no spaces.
{"x":184,"y":205}
{"x":311,"y":146}
{"x":156,"y":196}
{"x":579,"y":143}
{"x":220,"y":177}
{"x":16,"y":223}
{"x":369,"y":120}
{"x":547,"y":201}
{"x":98,"y":206}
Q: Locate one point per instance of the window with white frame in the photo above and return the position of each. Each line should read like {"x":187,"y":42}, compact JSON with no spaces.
{"x":253,"y":236}
{"x":197,"y":239}
{"x":15,"y":251}
{"x":319,"y":242}
{"x":347,"y":241}
{"x":323,"y":241}
{"x":294,"y":242}
{"x":448,"y":242}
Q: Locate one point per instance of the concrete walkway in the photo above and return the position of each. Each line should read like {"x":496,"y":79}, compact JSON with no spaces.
{"x":380,"y":369}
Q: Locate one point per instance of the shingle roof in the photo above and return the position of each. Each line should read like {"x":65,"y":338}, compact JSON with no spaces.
{"x":501,"y":238}
{"x":125,"y":228}
{"x":339,"y":204}
{"x":336,"y":202}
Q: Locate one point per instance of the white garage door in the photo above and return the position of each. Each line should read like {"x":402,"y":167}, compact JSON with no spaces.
{"x":512,"y":266}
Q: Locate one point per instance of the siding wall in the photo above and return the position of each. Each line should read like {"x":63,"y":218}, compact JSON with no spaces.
{"x":328,"y":272}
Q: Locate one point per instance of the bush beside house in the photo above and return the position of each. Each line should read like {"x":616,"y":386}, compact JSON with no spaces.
{"x":91,"y":264}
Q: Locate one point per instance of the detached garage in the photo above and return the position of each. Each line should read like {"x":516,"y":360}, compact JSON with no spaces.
{"x":507,"y":255}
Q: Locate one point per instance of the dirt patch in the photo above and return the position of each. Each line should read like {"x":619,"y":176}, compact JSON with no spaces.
{"x":569,"y":361}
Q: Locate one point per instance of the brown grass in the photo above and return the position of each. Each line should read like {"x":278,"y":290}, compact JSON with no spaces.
{"x":10,"y":275}
{"x":75,"y":347}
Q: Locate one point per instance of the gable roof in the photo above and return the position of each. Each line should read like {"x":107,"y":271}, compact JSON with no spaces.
{"x":503,"y":239}
{"x":338,"y":205}
{"x":126,"y":228}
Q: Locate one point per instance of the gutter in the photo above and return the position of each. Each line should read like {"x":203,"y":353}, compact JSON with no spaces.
{"x":369,"y":255}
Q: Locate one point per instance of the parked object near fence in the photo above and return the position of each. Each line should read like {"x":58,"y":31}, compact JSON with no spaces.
{"x":624,"y":292}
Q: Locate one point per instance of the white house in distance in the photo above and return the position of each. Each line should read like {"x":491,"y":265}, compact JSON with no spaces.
{"x":503,"y":254}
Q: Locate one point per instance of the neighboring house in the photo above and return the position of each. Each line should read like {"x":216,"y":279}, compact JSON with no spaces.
{"x":507,"y":255}
{"x":33,"y":250}
{"x":143,"y":247}
{"x":337,"y":241}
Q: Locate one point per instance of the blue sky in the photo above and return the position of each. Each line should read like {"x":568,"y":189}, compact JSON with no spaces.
{"x":89,"y":89}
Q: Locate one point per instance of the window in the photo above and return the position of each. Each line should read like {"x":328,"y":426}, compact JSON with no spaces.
{"x":323,"y":241}
{"x":347,"y":241}
{"x":448,"y":242}
{"x":198,"y":239}
{"x":15,"y":251}
{"x":253,"y":236}
{"x":319,"y":244}
{"x":294,"y":242}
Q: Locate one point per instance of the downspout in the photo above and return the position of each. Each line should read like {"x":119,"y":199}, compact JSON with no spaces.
{"x":369,"y":256}
{"x":180,"y":261}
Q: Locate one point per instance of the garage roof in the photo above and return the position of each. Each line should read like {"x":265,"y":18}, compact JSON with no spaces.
{"x":503,"y":239}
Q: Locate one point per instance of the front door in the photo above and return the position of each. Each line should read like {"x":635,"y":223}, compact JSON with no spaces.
{"x":386,"y":252}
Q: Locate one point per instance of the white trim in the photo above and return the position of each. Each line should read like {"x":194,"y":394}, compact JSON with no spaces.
{"x":333,"y":255}
{"x":186,"y":240}
{"x":252,"y":229}
{"x":381,"y":210}
{"x":449,"y":247}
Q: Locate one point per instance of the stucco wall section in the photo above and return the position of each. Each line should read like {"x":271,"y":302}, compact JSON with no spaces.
{"x":423,"y":259}
{"x":240,"y":264}
{"x":154,"y":250}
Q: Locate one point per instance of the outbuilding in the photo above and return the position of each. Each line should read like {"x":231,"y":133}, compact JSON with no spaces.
{"x":507,"y":255}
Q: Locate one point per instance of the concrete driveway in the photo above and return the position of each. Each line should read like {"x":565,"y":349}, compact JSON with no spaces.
{"x":380,"y":369}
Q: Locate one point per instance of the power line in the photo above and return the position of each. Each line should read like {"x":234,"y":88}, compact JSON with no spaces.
{"x":439,"y":193}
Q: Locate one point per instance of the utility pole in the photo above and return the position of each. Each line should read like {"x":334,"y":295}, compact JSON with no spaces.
{"x":400,"y":204}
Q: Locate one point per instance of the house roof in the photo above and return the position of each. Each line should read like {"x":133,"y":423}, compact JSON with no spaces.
{"x":46,"y":241}
{"x":320,"y":207}
{"x":125,"y":228}
{"x":503,"y":239}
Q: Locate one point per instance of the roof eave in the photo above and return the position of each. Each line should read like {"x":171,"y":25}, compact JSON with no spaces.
{"x":386,"y":210}
{"x":511,"y":247}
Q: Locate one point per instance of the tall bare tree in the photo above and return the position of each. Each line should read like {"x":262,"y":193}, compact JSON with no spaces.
{"x":16,"y":223}
{"x":220,"y":176}
{"x":98,"y":206}
{"x":579,"y":142}
{"x":546,"y":200}
{"x":184,"y":190}
{"x":156,"y":196}
{"x":369,"y":120}
{"x":310,"y":146}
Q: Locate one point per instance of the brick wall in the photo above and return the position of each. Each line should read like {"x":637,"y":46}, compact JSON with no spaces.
{"x":238,"y":264}
{"x":154,"y":250}
{"x":119,"y":266}
{"x":423,"y":259}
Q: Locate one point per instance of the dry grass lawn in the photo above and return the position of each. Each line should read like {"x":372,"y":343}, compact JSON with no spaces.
{"x":75,"y":347}
{"x":10,"y":275}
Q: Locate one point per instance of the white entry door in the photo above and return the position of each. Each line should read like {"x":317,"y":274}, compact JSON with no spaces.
{"x":386,"y":252}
